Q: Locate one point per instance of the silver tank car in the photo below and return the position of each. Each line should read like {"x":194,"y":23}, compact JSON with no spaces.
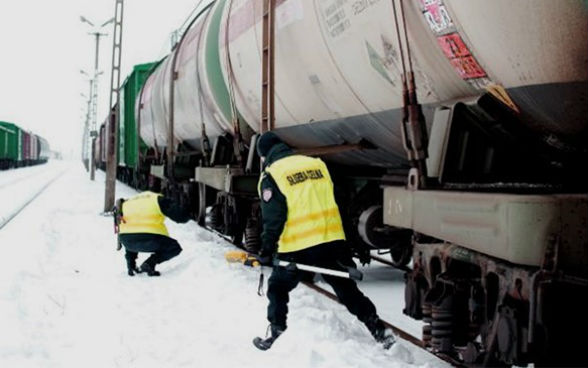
{"x":494,"y":219}
{"x":338,"y":69}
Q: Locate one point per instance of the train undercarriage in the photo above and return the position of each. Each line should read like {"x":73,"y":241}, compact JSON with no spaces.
{"x":487,"y":312}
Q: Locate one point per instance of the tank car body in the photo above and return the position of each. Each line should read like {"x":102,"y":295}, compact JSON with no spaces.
{"x":489,"y":204}
{"x":43,"y":149}
{"x":338,"y":65}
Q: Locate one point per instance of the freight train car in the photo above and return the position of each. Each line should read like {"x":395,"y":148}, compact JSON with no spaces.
{"x":9,"y":148}
{"x":132,"y":151}
{"x":133,"y":156}
{"x":455,"y":132}
{"x":20,"y":148}
{"x":43,"y":149}
{"x":99,"y":148}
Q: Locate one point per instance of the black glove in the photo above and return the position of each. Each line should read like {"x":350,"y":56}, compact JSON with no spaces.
{"x":265,"y":260}
{"x":265,"y":257}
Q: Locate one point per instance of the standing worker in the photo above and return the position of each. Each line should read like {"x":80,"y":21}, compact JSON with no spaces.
{"x":142,"y":229}
{"x":301,"y":219}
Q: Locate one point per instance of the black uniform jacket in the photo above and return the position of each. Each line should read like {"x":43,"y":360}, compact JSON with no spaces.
{"x":274,"y":207}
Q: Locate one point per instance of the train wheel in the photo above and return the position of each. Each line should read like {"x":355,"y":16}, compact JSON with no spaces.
{"x":401,"y":255}
{"x":237,"y":239}
{"x":252,"y":242}
{"x":352,"y":210}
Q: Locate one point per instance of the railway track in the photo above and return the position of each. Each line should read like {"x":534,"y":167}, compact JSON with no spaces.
{"x":389,"y":263}
{"x":12,"y":213}
{"x":398,"y":331}
{"x":17,"y":178}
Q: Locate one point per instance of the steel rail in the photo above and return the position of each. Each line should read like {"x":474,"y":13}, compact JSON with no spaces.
{"x":390,"y":263}
{"x":18,"y":179}
{"x":6,"y":220}
{"x":398,"y":331}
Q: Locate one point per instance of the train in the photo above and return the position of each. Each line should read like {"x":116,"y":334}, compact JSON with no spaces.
{"x":19,"y":148}
{"x":456,"y":134}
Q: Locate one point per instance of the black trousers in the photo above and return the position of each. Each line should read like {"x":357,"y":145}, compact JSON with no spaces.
{"x":163,"y":247}
{"x":334,"y":255}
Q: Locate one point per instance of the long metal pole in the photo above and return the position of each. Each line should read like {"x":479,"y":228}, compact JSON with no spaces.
{"x":86,"y":134}
{"x":94,"y":95}
{"x":112,"y":127}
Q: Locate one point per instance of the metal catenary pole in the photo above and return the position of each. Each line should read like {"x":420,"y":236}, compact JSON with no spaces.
{"x":94,"y":98}
{"x":87,"y":124}
{"x":85,"y":136}
{"x":112,"y":123}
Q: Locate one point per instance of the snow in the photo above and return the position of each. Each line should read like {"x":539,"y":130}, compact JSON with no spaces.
{"x":66,"y":300}
{"x":19,"y":187}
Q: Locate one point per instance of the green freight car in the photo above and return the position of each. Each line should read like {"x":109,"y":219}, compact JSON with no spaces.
{"x":130,"y":144}
{"x":10,"y":145}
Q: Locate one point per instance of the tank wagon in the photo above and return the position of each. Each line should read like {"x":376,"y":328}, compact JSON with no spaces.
{"x":455,"y":132}
{"x":20,"y":148}
{"x":44,"y":150}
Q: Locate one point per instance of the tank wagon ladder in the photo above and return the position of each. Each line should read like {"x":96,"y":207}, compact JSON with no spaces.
{"x":235,"y":186}
{"x":268,"y":67}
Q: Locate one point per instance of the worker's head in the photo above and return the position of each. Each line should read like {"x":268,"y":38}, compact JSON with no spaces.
{"x":266,"y":142}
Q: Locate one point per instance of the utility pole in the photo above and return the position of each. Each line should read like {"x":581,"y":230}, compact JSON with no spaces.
{"x":87,"y":119}
{"x":94,"y":90}
{"x":112,"y":123}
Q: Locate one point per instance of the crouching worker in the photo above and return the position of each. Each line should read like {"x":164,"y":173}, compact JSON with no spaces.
{"x":141,"y":228}
{"x":302,"y":224}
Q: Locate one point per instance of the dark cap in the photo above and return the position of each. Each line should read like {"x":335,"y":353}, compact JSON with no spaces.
{"x":266,"y":142}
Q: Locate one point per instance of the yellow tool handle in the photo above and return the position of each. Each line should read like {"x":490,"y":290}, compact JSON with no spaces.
{"x":241,"y":257}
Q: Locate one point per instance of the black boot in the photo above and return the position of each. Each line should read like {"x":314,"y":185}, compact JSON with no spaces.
{"x":149,"y":269}
{"x":131,"y":258}
{"x":132,"y":268}
{"x":383,"y":335}
{"x":264,"y":344}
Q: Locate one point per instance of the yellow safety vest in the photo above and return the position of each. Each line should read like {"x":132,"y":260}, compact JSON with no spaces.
{"x":313,"y":216}
{"x":141,"y":214}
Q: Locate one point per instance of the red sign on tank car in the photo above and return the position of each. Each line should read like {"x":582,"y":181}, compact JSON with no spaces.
{"x":460,"y":56}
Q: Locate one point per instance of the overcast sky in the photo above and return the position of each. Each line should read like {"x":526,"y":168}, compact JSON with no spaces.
{"x":43,"y":46}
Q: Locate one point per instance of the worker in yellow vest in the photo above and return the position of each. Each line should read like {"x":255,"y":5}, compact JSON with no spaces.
{"x":302,"y":224}
{"x":141,"y":228}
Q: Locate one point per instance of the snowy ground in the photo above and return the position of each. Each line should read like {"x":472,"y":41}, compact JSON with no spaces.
{"x":66,"y":301}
